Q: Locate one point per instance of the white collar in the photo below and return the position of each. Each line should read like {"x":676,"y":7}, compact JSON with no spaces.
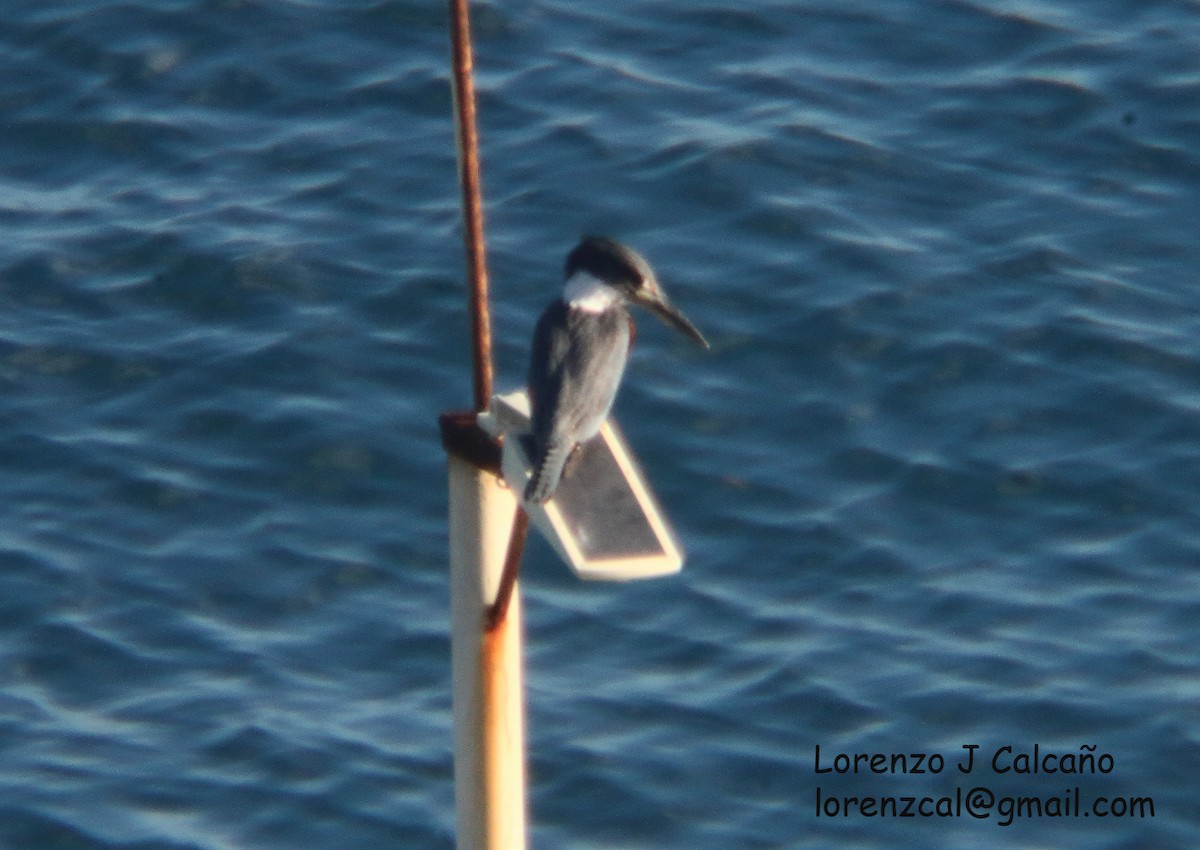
{"x":588,"y":293}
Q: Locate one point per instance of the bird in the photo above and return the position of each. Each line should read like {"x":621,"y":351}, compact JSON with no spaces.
{"x":580,"y":347}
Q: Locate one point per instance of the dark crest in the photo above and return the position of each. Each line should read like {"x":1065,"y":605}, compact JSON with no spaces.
{"x":610,"y":261}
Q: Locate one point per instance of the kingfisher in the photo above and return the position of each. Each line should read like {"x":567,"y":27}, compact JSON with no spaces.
{"x":580,"y":347}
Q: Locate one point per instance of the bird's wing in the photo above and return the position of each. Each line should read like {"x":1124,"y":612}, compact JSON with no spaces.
{"x":550,"y":342}
{"x":576,"y":367}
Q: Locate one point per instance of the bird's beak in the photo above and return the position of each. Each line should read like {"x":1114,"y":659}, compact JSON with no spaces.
{"x":656,"y":301}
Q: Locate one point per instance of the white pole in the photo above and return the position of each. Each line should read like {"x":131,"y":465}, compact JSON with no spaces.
{"x":489,"y":711}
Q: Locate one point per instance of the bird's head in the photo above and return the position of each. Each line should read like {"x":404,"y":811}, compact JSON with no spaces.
{"x":625,"y":270}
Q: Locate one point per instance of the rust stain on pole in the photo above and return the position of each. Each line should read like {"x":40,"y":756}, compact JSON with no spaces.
{"x":472,"y":200}
{"x":504,"y":735}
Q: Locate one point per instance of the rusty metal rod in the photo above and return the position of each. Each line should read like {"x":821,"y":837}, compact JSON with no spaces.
{"x":498,"y":610}
{"x":467,"y":137}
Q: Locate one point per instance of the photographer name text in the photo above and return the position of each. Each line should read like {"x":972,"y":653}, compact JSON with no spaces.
{"x":1002,"y":760}
{"x":978,"y":801}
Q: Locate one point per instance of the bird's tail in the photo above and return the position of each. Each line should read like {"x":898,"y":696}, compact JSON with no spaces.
{"x":547,"y":472}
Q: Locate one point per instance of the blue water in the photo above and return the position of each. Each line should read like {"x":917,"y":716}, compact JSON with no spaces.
{"x":938,"y":478}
